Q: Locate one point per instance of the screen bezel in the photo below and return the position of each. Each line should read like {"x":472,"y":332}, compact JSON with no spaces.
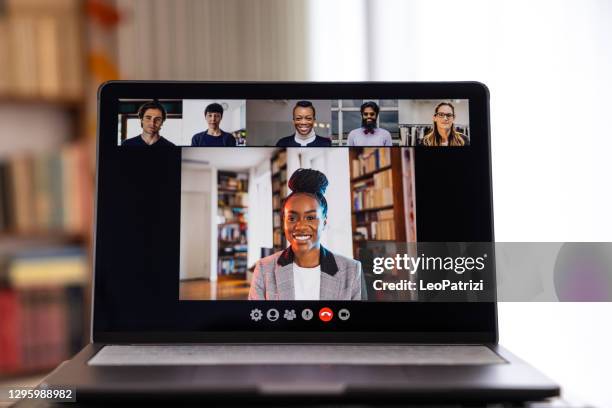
{"x":478,"y":95}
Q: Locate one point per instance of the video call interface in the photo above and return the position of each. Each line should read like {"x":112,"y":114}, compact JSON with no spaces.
{"x":295,"y":199}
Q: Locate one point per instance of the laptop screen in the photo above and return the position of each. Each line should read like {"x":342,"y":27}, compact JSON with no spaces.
{"x":271,"y":208}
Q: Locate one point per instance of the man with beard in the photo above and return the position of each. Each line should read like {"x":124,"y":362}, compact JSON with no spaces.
{"x":152,"y":116}
{"x":368,"y":134}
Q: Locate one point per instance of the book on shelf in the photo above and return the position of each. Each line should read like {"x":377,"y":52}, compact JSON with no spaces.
{"x":375,"y":225}
{"x":277,"y":220}
{"x":279,"y":192}
{"x":232,"y":265}
{"x":374,"y":192}
{"x":377,"y":192}
{"x":369,"y":160}
{"x":46,"y":192}
{"x":232,"y":209}
{"x":279,"y":161}
{"x":232,"y":232}
{"x":233,"y":181}
{"x":42,"y":308}
{"x":50,"y":65}
{"x":233,"y":199}
{"x":278,"y":238}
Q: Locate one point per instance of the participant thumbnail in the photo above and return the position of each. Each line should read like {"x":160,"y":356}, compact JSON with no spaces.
{"x":293,"y":223}
{"x":149,"y":122}
{"x":365,"y":122}
{"x":289,"y":123}
{"x":434,"y":123}
{"x":214,"y":123}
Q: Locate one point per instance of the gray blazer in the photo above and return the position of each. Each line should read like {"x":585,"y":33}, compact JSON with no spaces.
{"x":341,"y":277}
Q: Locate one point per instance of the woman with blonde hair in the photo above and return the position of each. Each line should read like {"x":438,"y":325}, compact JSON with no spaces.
{"x":444,"y":133}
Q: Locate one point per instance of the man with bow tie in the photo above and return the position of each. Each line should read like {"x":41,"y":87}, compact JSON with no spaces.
{"x":368,"y":134}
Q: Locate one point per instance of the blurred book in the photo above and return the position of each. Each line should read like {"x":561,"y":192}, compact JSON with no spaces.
{"x":42,"y":41}
{"x":46,"y":192}
{"x":42,"y":308}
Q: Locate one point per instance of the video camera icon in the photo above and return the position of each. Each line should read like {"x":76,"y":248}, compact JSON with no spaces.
{"x":344,"y":314}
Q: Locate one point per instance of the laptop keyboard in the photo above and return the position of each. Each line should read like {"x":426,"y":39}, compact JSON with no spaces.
{"x":267,"y":354}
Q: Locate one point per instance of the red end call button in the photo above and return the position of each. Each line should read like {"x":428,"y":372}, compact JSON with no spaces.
{"x":326,"y":314}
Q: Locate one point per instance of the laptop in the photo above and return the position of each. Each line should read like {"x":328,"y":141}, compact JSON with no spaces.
{"x":270,"y":241}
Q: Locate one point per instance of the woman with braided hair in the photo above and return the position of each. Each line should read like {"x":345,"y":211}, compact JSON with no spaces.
{"x":306,"y":270}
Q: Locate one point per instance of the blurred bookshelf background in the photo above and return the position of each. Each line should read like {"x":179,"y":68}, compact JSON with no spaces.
{"x":53,"y":56}
{"x":46,"y":184}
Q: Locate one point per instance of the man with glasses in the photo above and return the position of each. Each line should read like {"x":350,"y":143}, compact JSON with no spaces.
{"x":368,"y":134}
{"x":152,"y":116}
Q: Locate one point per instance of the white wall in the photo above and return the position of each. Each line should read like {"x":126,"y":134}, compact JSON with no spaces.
{"x":547,"y":64}
{"x":338,"y":43}
{"x":259,"y":233}
{"x":198,"y":254}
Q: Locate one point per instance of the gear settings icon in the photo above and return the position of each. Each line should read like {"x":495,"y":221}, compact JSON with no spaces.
{"x":256,"y":315}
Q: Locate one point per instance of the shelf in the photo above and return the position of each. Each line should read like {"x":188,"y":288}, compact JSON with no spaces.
{"x":237,"y":254}
{"x":34,"y":100}
{"x":43,"y":237}
{"x":231,"y":223}
{"x":375,"y":240}
{"x":225,"y":242}
{"x":227,"y":190}
{"x":370,"y":174}
{"x":363,"y":210}
{"x":231,"y":206}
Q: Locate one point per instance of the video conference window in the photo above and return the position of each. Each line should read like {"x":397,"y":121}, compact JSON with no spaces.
{"x":294,"y":123}
{"x":252,"y":218}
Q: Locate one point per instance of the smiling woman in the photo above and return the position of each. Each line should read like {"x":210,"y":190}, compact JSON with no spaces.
{"x":306,"y":270}
{"x":444,"y":132}
{"x":304,"y":116}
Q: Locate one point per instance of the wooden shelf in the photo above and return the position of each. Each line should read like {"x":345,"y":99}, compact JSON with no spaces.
{"x":370,"y":174}
{"x":69,"y":96}
{"x":278,"y":176}
{"x":384,"y":207}
{"x":34,"y":100}
{"x":230,"y":191}
{"x":365,"y":218}
{"x":231,"y":223}
{"x":229,"y":259}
